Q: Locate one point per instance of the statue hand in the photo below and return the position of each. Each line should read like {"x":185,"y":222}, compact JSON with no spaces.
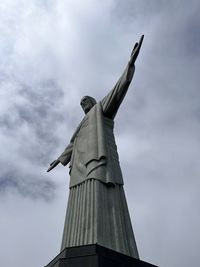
{"x":136,"y":51}
{"x":53,"y":165}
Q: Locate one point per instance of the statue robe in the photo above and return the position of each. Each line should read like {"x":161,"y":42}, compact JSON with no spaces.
{"x":97,"y":211}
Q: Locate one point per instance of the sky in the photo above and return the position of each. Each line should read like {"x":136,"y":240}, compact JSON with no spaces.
{"x":53,"y":53}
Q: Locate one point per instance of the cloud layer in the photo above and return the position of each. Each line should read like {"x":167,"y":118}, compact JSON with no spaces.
{"x":54,"y":52}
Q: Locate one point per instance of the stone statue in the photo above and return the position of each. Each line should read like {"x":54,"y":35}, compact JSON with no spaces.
{"x":97,"y":211}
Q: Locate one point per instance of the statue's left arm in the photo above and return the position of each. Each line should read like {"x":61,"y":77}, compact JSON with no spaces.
{"x":111,"y":102}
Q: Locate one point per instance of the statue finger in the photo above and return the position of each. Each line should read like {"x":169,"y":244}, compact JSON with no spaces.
{"x":140,"y":42}
{"x":133,"y":51}
{"x":50,"y":168}
{"x":136,"y":44}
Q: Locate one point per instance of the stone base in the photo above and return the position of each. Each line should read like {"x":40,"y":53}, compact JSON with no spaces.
{"x":94,"y":256}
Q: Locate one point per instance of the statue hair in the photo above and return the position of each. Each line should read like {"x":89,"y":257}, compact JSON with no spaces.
{"x":92,"y":99}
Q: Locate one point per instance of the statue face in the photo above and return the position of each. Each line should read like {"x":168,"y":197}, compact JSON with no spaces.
{"x":86,"y":104}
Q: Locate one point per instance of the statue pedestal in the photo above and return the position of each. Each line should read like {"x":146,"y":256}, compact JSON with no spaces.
{"x":94,"y":256}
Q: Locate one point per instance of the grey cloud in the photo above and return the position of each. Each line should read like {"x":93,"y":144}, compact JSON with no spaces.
{"x":133,"y":9}
{"x":27,"y":185}
{"x":39,"y":114}
{"x":74,"y":50}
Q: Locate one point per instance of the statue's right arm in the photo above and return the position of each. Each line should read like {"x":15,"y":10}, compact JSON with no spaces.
{"x":64,"y":158}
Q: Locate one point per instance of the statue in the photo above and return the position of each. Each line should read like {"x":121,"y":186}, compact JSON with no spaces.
{"x":97,"y":211}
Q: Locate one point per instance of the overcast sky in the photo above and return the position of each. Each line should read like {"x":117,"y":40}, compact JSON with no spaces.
{"x":54,"y":52}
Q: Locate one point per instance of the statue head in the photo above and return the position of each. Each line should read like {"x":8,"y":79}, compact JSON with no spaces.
{"x":87,"y":102}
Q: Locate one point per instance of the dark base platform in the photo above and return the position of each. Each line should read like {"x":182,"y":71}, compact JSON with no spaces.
{"x":94,"y":256}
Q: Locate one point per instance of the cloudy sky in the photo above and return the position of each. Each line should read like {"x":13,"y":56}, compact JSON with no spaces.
{"x":54,"y":52}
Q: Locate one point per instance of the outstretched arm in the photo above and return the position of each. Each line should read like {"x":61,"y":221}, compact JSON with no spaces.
{"x":53,"y":165}
{"x":112,"y":101}
{"x":64,"y":158}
